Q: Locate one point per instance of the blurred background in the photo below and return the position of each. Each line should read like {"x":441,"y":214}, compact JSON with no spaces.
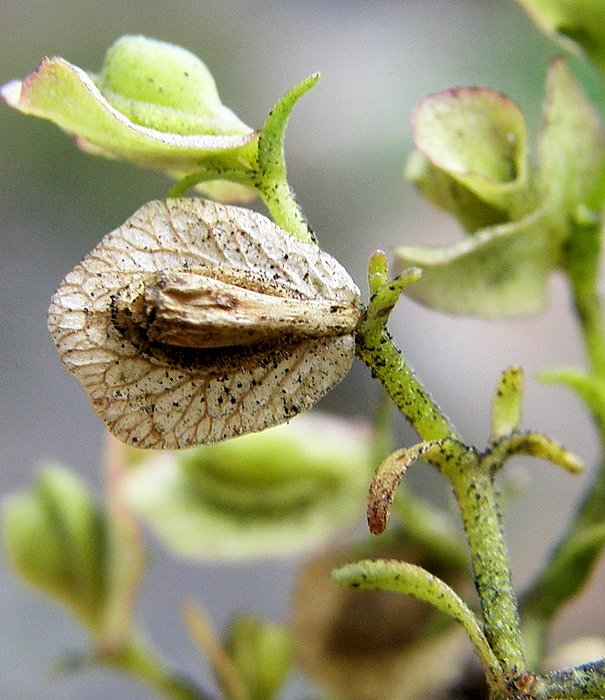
{"x":346,"y":146}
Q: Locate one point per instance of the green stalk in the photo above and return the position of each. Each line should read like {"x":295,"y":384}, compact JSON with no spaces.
{"x":577,"y":551}
{"x":140,"y":662}
{"x":474,"y":490}
{"x":384,"y":359}
{"x":473,"y":486}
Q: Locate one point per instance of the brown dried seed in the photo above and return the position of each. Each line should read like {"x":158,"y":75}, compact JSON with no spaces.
{"x":195,"y":322}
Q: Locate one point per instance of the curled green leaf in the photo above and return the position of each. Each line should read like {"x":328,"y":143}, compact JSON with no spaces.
{"x":413,"y":580}
{"x":580,"y":23}
{"x":268,"y":494}
{"x":472,"y":155}
{"x":507,"y":403}
{"x":153,"y":104}
{"x":520,"y":224}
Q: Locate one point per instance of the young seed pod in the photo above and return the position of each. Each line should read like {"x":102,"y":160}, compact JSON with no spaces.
{"x":195,"y":322}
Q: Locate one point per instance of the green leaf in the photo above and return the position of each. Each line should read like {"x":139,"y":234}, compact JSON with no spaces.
{"x":572,"y":143}
{"x":577,"y":23}
{"x":413,"y":580}
{"x":262,"y":653}
{"x":60,"y":542}
{"x":164,"y":87}
{"x":182,"y":98}
{"x":589,"y":388}
{"x":56,"y":540}
{"x":507,"y":403}
{"x":472,"y":158}
{"x":268,"y":494}
{"x":502,"y":269}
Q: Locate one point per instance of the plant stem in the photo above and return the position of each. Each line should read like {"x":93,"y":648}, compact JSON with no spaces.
{"x":575,"y":555}
{"x":474,"y":490}
{"x":385,"y":361}
{"x":139,"y":661}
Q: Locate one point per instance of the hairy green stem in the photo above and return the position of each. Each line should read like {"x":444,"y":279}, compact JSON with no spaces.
{"x":474,"y":490}
{"x":387,"y":364}
{"x":586,"y":681}
{"x":573,"y":558}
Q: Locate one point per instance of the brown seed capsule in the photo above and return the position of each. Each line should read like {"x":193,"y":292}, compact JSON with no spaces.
{"x":195,"y":322}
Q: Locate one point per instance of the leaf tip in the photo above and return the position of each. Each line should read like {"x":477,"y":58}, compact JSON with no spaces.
{"x":11,"y":93}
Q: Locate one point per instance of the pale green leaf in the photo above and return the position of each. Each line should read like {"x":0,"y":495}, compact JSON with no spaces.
{"x":68,"y":96}
{"x":262,"y":653}
{"x":574,"y":23}
{"x":268,"y":494}
{"x":473,"y":160}
{"x":55,"y":538}
{"x":572,"y":143}
{"x":500,"y":271}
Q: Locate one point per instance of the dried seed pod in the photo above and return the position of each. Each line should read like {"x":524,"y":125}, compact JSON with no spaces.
{"x":195,"y":322}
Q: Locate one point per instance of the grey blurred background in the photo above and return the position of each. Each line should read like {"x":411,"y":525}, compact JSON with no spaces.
{"x":346,"y":146}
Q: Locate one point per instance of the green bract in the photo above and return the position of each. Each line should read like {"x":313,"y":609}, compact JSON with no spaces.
{"x":60,"y":542}
{"x":267,"y":494}
{"x":473,"y":161}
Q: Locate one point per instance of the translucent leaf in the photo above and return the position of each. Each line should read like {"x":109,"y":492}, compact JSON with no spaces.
{"x":269,"y":494}
{"x":195,"y":322}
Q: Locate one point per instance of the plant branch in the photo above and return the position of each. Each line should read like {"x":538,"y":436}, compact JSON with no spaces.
{"x":376,"y":349}
{"x":140,"y":662}
{"x":474,"y":489}
{"x":573,"y":558}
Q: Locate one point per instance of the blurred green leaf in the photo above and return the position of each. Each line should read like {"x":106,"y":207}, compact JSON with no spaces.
{"x":61,"y":543}
{"x":262,"y":653}
{"x":502,"y":269}
{"x":268,"y":494}
{"x":575,"y":23}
